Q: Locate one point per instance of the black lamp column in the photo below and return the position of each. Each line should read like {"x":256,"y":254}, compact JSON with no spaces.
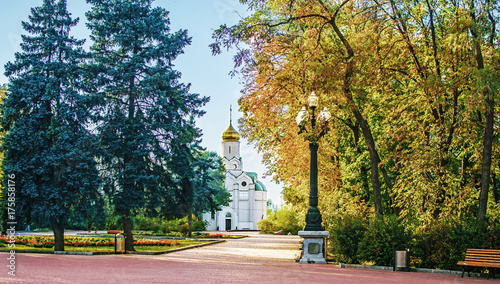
{"x":313,"y":216}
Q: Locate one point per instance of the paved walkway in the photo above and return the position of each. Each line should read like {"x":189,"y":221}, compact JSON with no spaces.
{"x":256,"y":259}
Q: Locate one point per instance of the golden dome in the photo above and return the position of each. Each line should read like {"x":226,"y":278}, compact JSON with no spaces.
{"x":230,"y":134}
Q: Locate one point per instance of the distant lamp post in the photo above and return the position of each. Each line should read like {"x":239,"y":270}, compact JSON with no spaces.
{"x":313,"y":234}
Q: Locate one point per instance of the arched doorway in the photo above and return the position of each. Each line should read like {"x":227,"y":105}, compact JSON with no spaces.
{"x":228,"y":221}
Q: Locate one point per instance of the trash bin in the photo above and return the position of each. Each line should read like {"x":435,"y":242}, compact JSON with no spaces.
{"x":401,"y":259}
{"x":120,"y":243}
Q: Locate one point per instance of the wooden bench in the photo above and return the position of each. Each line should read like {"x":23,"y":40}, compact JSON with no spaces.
{"x":489,"y":258}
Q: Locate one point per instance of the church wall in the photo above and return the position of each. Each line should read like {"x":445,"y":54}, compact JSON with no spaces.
{"x":212,"y":223}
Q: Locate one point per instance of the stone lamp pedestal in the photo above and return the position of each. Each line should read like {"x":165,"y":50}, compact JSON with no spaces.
{"x":314,"y":246}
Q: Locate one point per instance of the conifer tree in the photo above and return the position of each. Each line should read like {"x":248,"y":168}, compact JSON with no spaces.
{"x":48,"y":151}
{"x":201,"y":177}
{"x":145,"y":110}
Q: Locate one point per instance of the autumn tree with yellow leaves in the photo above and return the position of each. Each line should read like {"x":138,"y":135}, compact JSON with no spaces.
{"x":411,"y":86}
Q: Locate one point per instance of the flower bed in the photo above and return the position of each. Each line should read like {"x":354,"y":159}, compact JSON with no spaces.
{"x":217,"y":235}
{"x":48,"y":241}
{"x":156,"y":243}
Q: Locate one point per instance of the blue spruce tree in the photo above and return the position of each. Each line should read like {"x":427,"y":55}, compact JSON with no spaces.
{"x":145,"y":109}
{"x":48,"y":151}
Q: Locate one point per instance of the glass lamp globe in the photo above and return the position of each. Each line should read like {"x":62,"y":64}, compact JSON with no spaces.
{"x":325,"y":115}
{"x":301,"y":116}
{"x":312,"y":100}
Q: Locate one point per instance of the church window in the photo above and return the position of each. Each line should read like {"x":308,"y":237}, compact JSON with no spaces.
{"x":229,"y":149}
{"x":244,"y":183}
{"x":228,"y":215}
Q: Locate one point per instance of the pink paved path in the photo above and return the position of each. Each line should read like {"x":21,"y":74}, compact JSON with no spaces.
{"x":257,"y":259}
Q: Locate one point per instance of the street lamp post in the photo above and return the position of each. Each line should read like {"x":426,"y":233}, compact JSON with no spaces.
{"x":313,"y":233}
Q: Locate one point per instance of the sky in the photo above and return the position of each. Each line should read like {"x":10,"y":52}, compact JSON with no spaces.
{"x":207,"y":74}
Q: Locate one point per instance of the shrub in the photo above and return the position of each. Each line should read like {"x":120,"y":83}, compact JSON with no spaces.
{"x":345,"y":237}
{"x":114,"y":223}
{"x":165,"y":229}
{"x":155,"y":227}
{"x":183,"y":229}
{"x":265,"y":226}
{"x":199,"y":226}
{"x":438,"y":245}
{"x":283,"y":218}
{"x":286,"y":220}
{"x":173,"y":224}
{"x":444,"y":242}
{"x":382,"y":234}
{"x":492,"y":239}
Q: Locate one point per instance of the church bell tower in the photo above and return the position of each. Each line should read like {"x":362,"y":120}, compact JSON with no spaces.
{"x":231,"y":147}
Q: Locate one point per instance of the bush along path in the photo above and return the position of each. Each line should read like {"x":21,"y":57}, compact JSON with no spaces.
{"x":179,"y":235}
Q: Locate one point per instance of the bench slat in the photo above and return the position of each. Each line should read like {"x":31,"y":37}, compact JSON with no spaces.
{"x":481,"y":257}
{"x":479,"y":264}
{"x":484,"y":256}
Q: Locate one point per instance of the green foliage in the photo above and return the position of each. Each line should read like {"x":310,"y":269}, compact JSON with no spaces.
{"x":159,"y":225}
{"x":199,"y":225}
{"x":90,"y":220}
{"x":286,"y":219}
{"x":414,"y":92}
{"x":439,"y":245}
{"x":145,"y":117}
{"x":443,"y":243}
{"x":281,"y":218}
{"x":203,"y":172}
{"x":145,"y":223}
{"x":345,"y":236}
{"x":183,"y":229}
{"x":165,"y":229}
{"x":49,"y":152}
{"x":155,"y":101}
{"x":113,"y":222}
{"x":266,"y":226}
{"x":173,"y":224}
{"x":381,"y":236}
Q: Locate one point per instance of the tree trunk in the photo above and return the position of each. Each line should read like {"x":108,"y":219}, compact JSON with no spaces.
{"x":486,"y":168}
{"x":489,"y":116}
{"x":58,"y":229}
{"x":190,"y":223}
{"x":127,"y":232}
{"x":365,"y":129}
{"x":496,"y":196}
{"x":395,"y":208}
{"x":374,"y":161}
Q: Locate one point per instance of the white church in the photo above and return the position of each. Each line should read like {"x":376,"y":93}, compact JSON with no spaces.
{"x":248,"y":195}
